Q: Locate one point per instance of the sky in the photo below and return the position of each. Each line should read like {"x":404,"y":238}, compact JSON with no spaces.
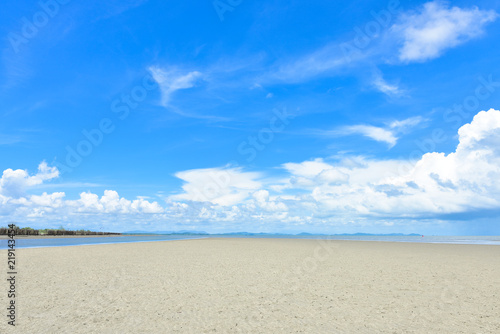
{"x":260,"y":116}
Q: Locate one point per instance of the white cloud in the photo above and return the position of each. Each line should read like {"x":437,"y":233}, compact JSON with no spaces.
{"x":9,"y":139}
{"x":14,"y":182}
{"x":317,"y":63}
{"x":406,"y":124}
{"x":436,"y":28}
{"x":17,"y":203}
{"x":54,"y":200}
{"x":417,"y":36}
{"x":112,"y":203}
{"x":309,"y":173}
{"x":264,"y":202}
{"x":383,"y":86}
{"x":307,"y":168}
{"x":111,"y":9}
{"x":483,"y":130}
{"x":373,"y":132}
{"x":464,"y":179}
{"x":461,"y":181}
{"x":353,"y":191}
{"x":353,"y":171}
{"x":223,"y":186}
{"x":388,"y":134}
{"x":172,"y":80}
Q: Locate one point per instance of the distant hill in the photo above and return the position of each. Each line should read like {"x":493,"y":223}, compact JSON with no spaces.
{"x":321,"y":234}
{"x":186,"y":232}
{"x":383,"y":234}
{"x":167,"y":232}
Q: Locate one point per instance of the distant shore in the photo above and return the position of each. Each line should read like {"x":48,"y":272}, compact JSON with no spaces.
{"x":62,"y":236}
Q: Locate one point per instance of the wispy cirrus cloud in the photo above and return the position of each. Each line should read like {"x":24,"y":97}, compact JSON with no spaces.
{"x":406,"y":124}
{"x":388,"y":134}
{"x":9,"y":139}
{"x":172,"y":80}
{"x":414,"y":36}
{"x":111,"y":9}
{"x":370,"y":131}
{"x":417,"y":35}
{"x":433,"y":29}
{"x":324,"y":61}
{"x":379,"y":83}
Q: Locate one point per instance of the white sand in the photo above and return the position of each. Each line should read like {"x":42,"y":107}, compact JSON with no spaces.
{"x":257,"y":286}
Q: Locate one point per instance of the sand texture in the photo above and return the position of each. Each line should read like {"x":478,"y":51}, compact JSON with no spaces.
{"x":257,"y":286}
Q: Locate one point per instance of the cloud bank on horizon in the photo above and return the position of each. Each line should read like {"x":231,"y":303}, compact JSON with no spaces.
{"x":314,"y":192}
{"x":273,"y":119}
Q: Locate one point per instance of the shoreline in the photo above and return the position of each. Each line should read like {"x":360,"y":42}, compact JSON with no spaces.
{"x":59,"y":236}
{"x":461,"y":240}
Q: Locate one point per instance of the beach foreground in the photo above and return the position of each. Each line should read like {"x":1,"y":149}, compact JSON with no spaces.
{"x":257,"y":286}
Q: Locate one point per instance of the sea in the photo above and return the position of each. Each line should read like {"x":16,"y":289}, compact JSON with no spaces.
{"x":22,"y":242}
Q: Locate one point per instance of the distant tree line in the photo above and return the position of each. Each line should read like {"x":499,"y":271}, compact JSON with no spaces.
{"x":59,"y":231}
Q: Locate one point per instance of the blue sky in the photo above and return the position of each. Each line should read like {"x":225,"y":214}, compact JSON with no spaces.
{"x":275,"y":116}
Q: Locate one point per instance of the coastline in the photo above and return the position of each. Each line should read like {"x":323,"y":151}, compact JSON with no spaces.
{"x":259,"y":285}
{"x":96,"y":239}
{"x":61,"y":236}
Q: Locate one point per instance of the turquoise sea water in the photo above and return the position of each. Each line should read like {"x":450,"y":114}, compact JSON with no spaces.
{"x":58,"y":242}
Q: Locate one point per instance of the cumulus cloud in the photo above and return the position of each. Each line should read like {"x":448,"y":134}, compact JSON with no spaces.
{"x":461,"y":181}
{"x":310,"y":173}
{"x":111,"y":202}
{"x":435,"y":28}
{"x":15,"y":182}
{"x":352,"y":190}
{"x":16,"y":202}
{"x":223,"y":186}
{"x":464,"y":179}
{"x":172,"y":80}
{"x":54,"y":200}
{"x":264,"y":202}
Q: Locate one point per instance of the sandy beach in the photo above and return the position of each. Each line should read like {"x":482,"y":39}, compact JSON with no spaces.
{"x":257,"y":286}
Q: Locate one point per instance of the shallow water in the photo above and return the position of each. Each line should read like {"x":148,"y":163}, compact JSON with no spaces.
{"x":58,"y":242}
